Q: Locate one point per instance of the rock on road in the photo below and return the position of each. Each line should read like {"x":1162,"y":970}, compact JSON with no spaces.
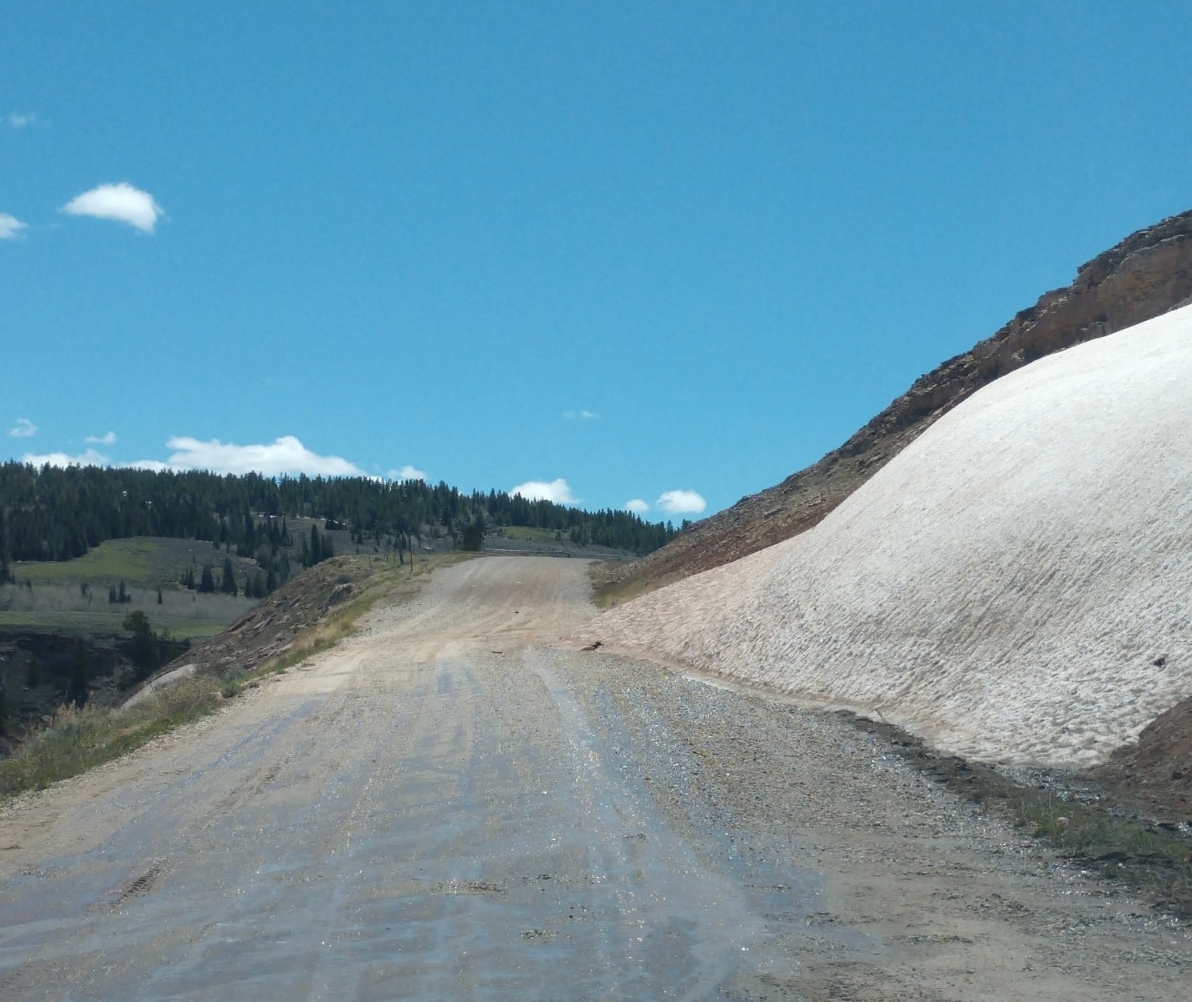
{"x":448,"y":807}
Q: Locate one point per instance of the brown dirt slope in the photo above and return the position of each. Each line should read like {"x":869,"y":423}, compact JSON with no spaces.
{"x":1147,"y":274}
{"x":1156,"y":773}
{"x":284,"y":619}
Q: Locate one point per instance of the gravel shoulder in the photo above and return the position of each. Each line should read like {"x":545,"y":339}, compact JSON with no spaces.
{"x":448,"y":806}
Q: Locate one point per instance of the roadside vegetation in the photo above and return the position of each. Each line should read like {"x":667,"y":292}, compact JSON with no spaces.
{"x":78,"y":738}
{"x":1076,"y":817}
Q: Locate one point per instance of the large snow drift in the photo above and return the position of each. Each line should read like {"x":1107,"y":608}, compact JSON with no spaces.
{"x":1015,"y":585}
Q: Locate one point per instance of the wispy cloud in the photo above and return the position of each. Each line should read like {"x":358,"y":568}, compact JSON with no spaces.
{"x":18,"y":121}
{"x":107,"y":439}
{"x":61,"y":459}
{"x":681,"y":503}
{"x":24,"y":428}
{"x":407,"y":472}
{"x":120,"y":202}
{"x":285,"y":455}
{"x":10,"y":226}
{"x":580,"y":415}
{"x":637,"y":506}
{"x":557,"y":491}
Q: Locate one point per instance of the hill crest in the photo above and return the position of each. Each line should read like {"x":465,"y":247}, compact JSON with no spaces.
{"x":1147,"y":274}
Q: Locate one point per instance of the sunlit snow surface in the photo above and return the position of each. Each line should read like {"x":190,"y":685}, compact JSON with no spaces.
{"x":1015,"y":585}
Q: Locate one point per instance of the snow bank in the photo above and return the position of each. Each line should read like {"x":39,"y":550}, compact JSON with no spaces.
{"x":1016,"y":585}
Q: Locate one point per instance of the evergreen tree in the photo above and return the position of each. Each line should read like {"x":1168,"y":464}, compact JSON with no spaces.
{"x":146,"y":654}
{"x":316,"y":546}
{"x":207,"y":581}
{"x":80,"y":674}
{"x":473,"y":538}
{"x":228,"y":584}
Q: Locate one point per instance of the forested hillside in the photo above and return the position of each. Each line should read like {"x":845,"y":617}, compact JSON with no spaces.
{"x":58,"y":514}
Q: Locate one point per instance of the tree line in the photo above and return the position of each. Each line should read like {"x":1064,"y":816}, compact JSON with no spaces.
{"x":53,"y":513}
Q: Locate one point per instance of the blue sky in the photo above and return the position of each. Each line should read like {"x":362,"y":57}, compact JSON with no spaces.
{"x":656,"y":252}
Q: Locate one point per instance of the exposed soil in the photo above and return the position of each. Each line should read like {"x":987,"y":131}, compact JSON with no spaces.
{"x":270,"y":628}
{"x":1155,"y":775}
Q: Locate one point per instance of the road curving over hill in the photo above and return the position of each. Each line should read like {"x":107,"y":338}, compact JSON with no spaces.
{"x":448,"y":807}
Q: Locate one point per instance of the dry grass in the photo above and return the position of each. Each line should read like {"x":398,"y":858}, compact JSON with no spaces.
{"x":80,"y":739}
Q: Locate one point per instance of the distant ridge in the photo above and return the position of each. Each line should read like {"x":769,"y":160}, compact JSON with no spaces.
{"x":1146,"y":275}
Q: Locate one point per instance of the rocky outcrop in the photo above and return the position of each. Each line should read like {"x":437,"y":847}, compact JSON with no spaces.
{"x":1147,"y":274}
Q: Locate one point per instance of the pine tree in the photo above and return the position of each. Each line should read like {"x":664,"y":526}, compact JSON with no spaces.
{"x":207,"y":580}
{"x":80,"y":674}
{"x":316,"y":546}
{"x":146,"y":655}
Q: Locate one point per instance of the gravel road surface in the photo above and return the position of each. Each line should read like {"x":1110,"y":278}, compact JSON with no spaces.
{"x":448,"y":807}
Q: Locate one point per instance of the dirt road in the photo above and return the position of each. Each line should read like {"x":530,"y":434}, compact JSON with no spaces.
{"x":446,"y":807}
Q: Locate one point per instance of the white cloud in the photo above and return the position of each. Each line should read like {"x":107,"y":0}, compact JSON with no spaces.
{"x":61,"y":459}
{"x":120,"y":202}
{"x":538,"y":490}
{"x":106,"y":439}
{"x":584,"y":415}
{"x":637,"y":506}
{"x":681,"y":503}
{"x":407,"y":472}
{"x":24,"y":428}
{"x":20,"y":121}
{"x":286,"y":455}
{"x":10,"y":226}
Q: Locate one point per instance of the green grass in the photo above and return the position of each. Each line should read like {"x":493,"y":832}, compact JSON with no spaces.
{"x":142,"y":562}
{"x":526,"y":534}
{"x":1123,"y":849}
{"x":71,"y":596}
{"x":1085,"y":830}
